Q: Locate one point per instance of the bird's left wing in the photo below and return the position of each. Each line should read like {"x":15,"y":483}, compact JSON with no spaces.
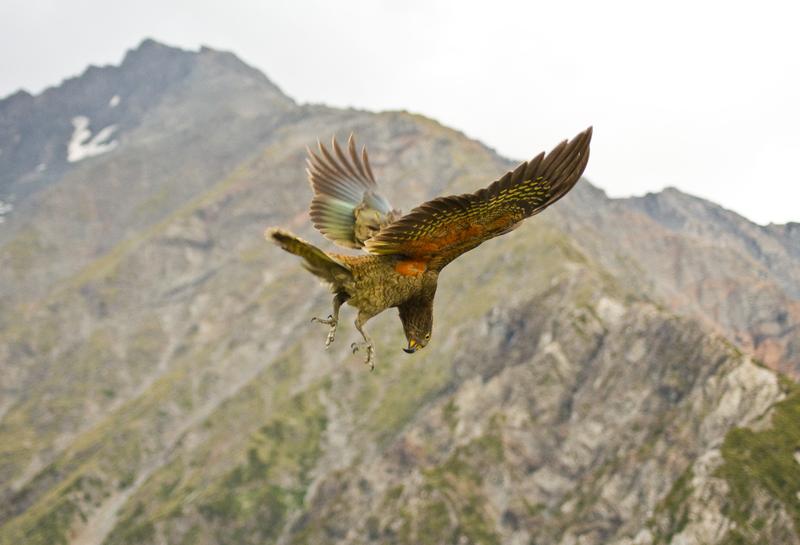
{"x":440,"y":230}
{"x":347,"y":207}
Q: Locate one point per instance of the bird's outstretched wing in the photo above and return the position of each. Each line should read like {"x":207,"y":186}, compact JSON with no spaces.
{"x":347,"y":208}
{"x":440,"y":230}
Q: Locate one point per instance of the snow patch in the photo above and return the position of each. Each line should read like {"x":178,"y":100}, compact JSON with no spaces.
{"x":5,"y":208}
{"x":114,"y":102}
{"x":83,"y":145}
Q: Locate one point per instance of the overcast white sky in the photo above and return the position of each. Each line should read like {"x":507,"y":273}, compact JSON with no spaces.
{"x":703,"y":96}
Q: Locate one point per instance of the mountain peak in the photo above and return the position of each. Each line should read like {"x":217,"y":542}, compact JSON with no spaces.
{"x":15,"y":98}
{"x":157,"y":56}
{"x":36,"y":133}
{"x":149,"y":45}
{"x":152,"y":53}
{"x":673,"y":207}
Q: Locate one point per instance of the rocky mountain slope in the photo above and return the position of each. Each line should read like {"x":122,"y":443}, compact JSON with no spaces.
{"x":741,"y":279}
{"x":162,"y":382}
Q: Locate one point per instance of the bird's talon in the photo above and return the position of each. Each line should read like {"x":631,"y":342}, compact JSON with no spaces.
{"x":329,"y":321}
{"x":370,"y":361}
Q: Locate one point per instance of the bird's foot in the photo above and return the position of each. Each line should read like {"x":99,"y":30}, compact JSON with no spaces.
{"x":330,"y":321}
{"x":370,"y":361}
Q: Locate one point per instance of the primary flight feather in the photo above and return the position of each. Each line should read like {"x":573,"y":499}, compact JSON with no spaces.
{"x":405,"y":253}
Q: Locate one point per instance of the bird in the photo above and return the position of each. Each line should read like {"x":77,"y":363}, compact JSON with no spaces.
{"x":406,"y":252}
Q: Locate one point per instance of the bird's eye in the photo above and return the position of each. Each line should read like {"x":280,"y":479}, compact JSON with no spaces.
{"x":427,"y":336}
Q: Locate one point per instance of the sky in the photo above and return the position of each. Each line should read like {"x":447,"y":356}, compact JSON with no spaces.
{"x":702,"y":96}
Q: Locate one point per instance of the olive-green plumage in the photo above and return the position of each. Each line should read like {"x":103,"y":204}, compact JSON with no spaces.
{"x":406,"y":253}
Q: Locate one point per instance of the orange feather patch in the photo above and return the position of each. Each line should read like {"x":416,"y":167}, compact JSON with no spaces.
{"x":410,"y":267}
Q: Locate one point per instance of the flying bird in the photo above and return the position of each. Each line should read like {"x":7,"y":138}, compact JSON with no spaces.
{"x":406,"y":253}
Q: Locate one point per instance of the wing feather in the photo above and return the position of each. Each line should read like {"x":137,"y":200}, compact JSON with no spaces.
{"x":346,"y":207}
{"x":440,"y":230}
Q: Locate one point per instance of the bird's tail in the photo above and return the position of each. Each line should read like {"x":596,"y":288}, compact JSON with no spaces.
{"x":315,"y":260}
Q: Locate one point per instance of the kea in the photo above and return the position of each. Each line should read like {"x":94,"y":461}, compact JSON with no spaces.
{"x":406,"y":253}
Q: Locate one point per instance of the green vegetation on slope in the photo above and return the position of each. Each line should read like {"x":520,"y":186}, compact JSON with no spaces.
{"x":250,"y":500}
{"x":456,"y":486}
{"x":450,"y":507}
{"x":675,"y":506}
{"x":763,"y":467}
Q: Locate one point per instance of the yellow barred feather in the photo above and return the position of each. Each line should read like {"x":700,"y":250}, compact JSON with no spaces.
{"x":440,"y":230}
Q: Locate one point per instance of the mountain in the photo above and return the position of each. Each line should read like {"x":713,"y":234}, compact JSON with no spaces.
{"x":739,"y":278}
{"x":594,"y":376}
{"x":173,"y":122}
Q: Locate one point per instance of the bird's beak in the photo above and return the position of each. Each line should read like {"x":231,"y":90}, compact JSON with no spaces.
{"x":412,"y":347}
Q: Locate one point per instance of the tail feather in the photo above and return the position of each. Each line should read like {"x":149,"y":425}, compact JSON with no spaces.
{"x":314,"y":260}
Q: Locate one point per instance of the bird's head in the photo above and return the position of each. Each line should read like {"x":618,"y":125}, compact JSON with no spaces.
{"x":417,"y":323}
{"x":416,"y":340}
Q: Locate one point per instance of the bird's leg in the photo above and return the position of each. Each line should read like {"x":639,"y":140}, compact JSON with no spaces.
{"x":333,"y":319}
{"x":360,"y":321}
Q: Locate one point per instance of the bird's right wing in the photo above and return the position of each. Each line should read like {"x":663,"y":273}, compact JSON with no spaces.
{"x":440,"y":230}
{"x":347,"y":208}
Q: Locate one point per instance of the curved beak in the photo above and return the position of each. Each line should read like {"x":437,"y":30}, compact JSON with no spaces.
{"x":412,"y":347}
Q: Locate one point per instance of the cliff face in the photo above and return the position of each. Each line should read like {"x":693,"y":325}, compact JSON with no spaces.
{"x":739,"y":278}
{"x":750,"y":281}
{"x":162,"y":382}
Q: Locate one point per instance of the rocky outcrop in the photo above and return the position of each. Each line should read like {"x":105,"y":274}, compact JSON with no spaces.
{"x":739,"y":278}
